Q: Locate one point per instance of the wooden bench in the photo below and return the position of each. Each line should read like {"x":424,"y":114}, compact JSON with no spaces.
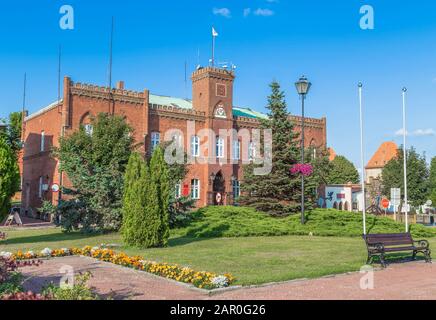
{"x":379,"y":245}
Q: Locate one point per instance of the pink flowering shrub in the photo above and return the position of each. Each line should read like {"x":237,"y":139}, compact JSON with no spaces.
{"x":304,"y":169}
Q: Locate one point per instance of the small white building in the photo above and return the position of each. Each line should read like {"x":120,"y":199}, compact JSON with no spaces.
{"x":346,"y":197}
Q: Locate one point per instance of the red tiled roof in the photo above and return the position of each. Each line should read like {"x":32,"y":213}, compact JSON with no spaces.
{"x":385,"y":153}
{"x":332,"y":154}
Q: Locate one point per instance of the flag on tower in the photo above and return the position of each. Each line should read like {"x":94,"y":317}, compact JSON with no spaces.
{"x":214,"y":33}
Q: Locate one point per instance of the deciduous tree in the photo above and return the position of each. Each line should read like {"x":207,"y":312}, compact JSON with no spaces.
{"x":9,"y":176}
{"x":95,"y":163}
{"x":417,"y":176}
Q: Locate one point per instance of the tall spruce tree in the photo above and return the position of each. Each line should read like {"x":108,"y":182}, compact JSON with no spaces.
{"x":160,"y":177}
{"x":131,"y":199}
{"x":277,"y":193}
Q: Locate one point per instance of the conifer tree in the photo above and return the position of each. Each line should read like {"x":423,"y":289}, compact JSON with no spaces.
{"x":277,"y":193}
{"x":160,"y":178}
{"x":147,"y":212}
{"x":130,"y":197}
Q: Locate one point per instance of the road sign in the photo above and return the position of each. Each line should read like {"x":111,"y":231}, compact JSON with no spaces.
{"x":395,"y":197}
{"x":55,"y":187}
{"x":385,"y":203}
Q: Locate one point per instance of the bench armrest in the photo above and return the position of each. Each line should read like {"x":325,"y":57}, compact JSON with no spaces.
{"x":379,"y":247}
{"x":423,"y":244}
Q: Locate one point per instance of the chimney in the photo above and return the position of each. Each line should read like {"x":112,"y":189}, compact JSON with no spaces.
{"x":120,"y":85}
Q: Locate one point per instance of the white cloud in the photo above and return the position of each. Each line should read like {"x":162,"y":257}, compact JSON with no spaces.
{"x":247,"y":12}
{"x":224,"y":12}
{"x":264,"y":12}
{"x":425,"y":132}
{"x":417,"y":133}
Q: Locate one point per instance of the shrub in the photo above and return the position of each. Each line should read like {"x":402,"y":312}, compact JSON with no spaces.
{"x":146,"y":202}
{"x":10,"y":278}
{"x":79,"y":291}
{"x":244,"y":222}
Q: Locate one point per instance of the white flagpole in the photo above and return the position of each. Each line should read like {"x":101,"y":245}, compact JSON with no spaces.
{"x":213,"y":47}
{"x":362,"y":158}
{"x":405,"y":160}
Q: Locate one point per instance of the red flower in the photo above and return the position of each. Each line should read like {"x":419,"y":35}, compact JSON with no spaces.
{"x":304,"y":169}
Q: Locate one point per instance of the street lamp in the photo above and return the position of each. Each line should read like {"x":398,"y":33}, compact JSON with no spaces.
{"x":303,"y":87}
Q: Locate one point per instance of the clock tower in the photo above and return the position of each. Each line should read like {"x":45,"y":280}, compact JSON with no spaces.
{"x":212,"y":92}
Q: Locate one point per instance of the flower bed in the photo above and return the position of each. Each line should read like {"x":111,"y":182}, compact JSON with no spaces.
{"x":200,"y":279}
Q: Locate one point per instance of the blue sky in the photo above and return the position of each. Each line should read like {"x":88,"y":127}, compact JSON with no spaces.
{"x":278,"y":39}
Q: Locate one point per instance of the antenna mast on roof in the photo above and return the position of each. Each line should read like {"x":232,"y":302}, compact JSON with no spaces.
{"x":59,"y":76}
{"x":186,"y":80}
{"x":23,"y":112}
{"x":110,"y":64}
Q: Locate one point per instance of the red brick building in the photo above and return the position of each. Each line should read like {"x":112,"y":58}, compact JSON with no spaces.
{"x":151,"y":117}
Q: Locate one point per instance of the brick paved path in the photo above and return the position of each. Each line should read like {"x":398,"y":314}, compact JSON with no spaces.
{"x":412,"y":280}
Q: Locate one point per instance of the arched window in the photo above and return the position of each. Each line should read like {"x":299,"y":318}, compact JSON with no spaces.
{"x":86,"y":122}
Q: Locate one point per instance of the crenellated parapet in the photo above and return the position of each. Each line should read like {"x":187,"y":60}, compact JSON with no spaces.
{"x":100,"y":92}
{"x":179,"y":113}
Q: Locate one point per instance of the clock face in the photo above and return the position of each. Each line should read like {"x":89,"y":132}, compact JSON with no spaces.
{"x":221,"y":90}
{"x":220,"y":112}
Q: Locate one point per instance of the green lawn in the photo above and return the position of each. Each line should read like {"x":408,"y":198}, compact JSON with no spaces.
{"x":253,"y":260}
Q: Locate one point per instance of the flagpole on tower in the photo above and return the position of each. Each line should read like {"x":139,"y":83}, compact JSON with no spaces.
{"x":214,"y":35}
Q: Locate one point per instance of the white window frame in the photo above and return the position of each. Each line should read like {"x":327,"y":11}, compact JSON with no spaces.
{"x":195,"y":146}
{"x":236,"y":150}
{"x":155,"y":140}
{"x":236,"y":186}
{"x":220,"y":147}
{"x":252,"y":151}
{"x":41,"y":182}
{"x":89,"y":129}
{"x":195,"y":189}
{"x":42,"y":146}
{"x":178,"y":190}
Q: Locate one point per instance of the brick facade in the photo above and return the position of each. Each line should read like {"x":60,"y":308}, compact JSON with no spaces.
{"x":211,"y":108}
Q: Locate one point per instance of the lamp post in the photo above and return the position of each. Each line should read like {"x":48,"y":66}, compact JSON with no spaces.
{"x":303,"y":87}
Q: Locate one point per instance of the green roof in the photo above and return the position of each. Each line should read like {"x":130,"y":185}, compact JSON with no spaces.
{"x":247,"y":112}
{"x":187,"y":104}
{"x":170,"y":101}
